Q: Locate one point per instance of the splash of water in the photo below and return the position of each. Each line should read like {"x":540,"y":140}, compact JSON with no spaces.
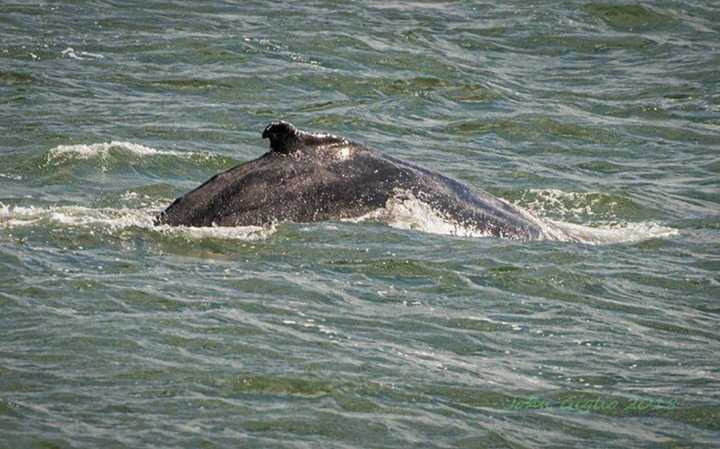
{"x":402,"y":211}
{"x":405,"y":211}
{"x":114,"y":220}
{"x":102,"y":150}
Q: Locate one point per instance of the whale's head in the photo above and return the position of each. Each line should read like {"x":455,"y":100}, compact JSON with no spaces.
{"x":284,"y":137}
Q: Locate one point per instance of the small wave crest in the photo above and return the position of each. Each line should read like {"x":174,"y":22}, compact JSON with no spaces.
{"x":11,"y":177}
{"x":80,"y":55}
{"x":115,"y":220}
{"x":102,"y":150}
{"x":118,"y":155}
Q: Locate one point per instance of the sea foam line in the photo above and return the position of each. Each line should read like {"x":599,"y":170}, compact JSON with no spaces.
{"x":87,"y":151}
{"x":405,"y":211}
{"x":115,"y":220}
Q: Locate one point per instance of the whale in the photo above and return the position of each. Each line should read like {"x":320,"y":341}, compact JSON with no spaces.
{"x":311,"y":177}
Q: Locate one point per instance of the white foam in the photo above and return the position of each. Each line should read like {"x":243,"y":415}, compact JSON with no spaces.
{"x":580,"y":206}
{"x":568,"y":204}
{"x":103,"y":151}
{"x":605,"y":233}
{"x":87,"y":151}
{"x":114,"y":220}
{"x":80,"y":55}
{"x":219,"y":232}
{"x":404,"y":211}
{"x":343,"y":153}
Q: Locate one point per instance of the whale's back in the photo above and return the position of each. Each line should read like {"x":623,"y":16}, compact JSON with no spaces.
{"x":317,"y":177}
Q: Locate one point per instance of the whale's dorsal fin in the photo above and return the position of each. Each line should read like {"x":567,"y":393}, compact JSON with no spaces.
{"x":285,"y":138}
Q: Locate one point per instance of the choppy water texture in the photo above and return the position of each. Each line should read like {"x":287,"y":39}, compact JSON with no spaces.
{"x":114,"y":333}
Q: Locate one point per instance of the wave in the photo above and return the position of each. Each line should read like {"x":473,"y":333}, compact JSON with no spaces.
{"x":580,"y":206}
{"x":604,"y":234}
{"x":11,"y":177}
{"x":80,"y":55}
{"x":113,"y":220}
{"x":402,"y":211}
{"x":88,"y":151}
{"x":405,"y":211}
{"x":115,"y":156}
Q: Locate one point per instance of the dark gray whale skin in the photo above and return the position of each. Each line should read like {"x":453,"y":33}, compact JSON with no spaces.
{"x":309,"y":177}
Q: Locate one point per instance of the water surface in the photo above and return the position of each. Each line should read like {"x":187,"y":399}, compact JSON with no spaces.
{"x":118,"y":334}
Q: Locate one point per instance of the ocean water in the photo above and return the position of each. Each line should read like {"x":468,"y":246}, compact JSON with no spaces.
{"x":601,"y":115}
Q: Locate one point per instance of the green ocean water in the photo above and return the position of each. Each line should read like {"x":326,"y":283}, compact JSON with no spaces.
{"x":114,"y":333}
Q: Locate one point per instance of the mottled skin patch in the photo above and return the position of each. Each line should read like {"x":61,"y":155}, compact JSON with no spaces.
{"x":309,"y":177}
